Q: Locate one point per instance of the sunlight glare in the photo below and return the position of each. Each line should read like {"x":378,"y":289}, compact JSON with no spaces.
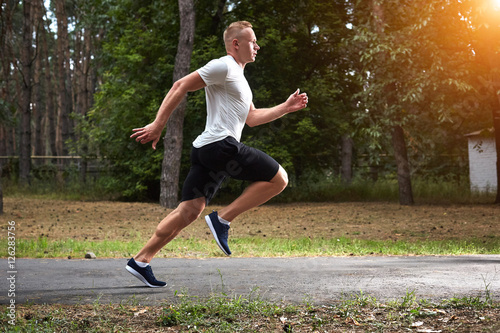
{"x":496,"y":4}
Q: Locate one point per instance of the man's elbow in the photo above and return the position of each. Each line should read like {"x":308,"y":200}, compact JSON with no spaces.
{"x":182,"y":86}
{"x":179,"y":86}
{"x":251,"y":122}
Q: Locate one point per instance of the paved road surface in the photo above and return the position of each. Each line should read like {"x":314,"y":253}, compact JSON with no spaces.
{"x":317,"y":280}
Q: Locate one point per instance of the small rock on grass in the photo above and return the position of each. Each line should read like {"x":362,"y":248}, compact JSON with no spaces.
{"x":90,"y":255}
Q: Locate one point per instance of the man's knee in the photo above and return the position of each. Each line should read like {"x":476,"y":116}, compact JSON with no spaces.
{"x":186,"y":213}
{"x":192,"y":209}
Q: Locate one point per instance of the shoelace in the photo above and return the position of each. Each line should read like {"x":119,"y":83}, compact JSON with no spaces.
{"x":149,"y":274}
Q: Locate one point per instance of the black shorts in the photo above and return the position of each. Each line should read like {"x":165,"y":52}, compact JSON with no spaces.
{"x":213,"y":163}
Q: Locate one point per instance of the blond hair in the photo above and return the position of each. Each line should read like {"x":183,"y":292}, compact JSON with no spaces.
{"x":233,"y":31}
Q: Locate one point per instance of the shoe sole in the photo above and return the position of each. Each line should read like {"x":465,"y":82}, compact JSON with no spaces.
{"x":140,"y":277}
{"x":212,"y":229}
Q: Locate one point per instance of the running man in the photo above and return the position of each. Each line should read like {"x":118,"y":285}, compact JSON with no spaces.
{"x":217,"y":153}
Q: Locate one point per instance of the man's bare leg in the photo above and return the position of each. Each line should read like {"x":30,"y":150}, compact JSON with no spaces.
{"x":254,"y":195}
{"x":170,"y":226}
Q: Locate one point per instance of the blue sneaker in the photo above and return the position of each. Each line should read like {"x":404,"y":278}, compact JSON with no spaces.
{"x":219,"y":230}
{"x":144,"y":274}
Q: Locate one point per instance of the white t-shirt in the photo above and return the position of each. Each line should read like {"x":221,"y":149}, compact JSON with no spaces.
{"x":228,"y":98}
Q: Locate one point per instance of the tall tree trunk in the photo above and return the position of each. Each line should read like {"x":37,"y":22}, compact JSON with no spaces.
{"x":398,"y":139}
{"x":347,"y":149}
{"x":6,"y":58}
{"x":6,"y":13}
{"x":79,"y":90}
{"x":64,"y":84}
{"x":173,"y":138}
{"x":401,"y":155}
{"x":26,"y":88}
{"x":50,"y":116}
{"x":38,"y":106}
{"x":82,"y":85}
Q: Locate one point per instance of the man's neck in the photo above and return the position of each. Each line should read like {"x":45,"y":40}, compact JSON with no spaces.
{"x":233,"y":55}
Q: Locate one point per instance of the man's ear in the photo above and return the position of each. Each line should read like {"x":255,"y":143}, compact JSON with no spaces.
{"x":236,"y":44}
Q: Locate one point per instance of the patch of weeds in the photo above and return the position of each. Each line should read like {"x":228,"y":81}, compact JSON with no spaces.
{"x":364,"y":300}
{"x":307,"y":301}
{"x":284,"y":309}
{"x":487,"y":284}
{"x":170,"y":317}
{"x":407,"y":301}
{"x":475,"y":302}
{"x":465,"y":302}
{"x":46,"y":322}
{"x":350,"y":306}
{"x":219,"y":313}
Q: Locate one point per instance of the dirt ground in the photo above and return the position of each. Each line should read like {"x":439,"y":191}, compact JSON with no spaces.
{"x":362,"y":220}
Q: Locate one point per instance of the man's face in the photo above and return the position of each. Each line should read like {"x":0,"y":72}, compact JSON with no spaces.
{"x":248,"y":47}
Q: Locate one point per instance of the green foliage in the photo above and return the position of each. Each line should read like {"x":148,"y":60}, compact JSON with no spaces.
{"x":138,"y":55}
{"x":363,"y":72}
{"x":417,"y":68}
{"x":138,"y":52}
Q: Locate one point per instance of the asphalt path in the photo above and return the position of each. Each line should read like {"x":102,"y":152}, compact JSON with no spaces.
{"x":318,"y":280}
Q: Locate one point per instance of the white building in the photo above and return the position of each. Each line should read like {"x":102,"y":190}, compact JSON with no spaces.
{"x":482,"y":161}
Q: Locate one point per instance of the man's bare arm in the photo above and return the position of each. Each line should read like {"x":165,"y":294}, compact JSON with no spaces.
{"x":295,"y":102}
{"x":152,"y":132}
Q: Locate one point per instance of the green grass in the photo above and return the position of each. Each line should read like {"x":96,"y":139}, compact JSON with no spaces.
{"x":45,"y":248}
{"x":253,"y":247}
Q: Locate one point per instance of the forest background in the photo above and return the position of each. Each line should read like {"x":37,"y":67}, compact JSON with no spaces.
{"x":393,"y":86}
